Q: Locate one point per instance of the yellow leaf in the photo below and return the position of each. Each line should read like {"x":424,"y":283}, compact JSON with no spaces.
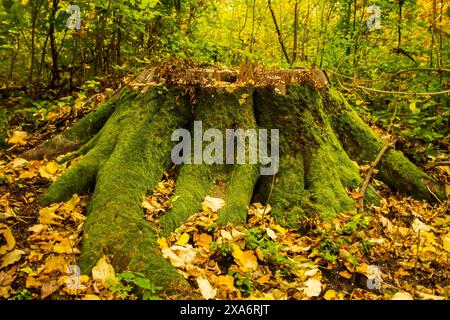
{"x":103,"y":271}
{"x":184,"y":238}
{"x":245,"y":259}
{"x":230,"y":89}
{"x":49,"y":170}
{"x":241,"y":101}
{"x":330,"y":295}
{"x":263,"y":279}
{"x":206,"y":289}
{"x":345,"y":274}
{"x":402,"y":295}
{"x":91,"y":297}
{"x":32,"y":282}
{"x":428,"y":253}
{"x":11,"y":257}
{"x":162,"y":242}
{"x":19,"y":137}
{"x":37,"y":228}
{"x":226,"y":280}
{"x":35,"y":256}
{"x":446,"y":242}
{"x":47,"y":215}
{"x":9,"y":238}
{"x":27,"y":175}
{"x":279,"y":229}
{"x":55,"y":264}
{"x":65,"y":246}
{"x":204,"y":240}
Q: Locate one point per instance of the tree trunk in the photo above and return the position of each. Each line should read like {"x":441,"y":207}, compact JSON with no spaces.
{"x":320,"y":138}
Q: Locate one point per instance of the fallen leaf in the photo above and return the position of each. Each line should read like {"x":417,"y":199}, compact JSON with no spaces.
{"x":65,"y":246}
{"x":446,"y":242}
{"x":204,"y":240}
{"x":9,"y":238}
{"x":19,"y":163}
{"x":245,"y":259}
{"x":402,"y":295}
{"x":271,"y":234}
{"x":179,"y":256}
{"x":263,"y":279}
{"x":345,"y":274}
{"x":162,"y":242}
{"x":213,"y":204}
{"x":279,"y":229}
{"x":19,"y":137}
{"x":55,"y":264}
{"x":49,"y":288}
{"x":330,"y":295}
{"x":11,"y":257}
{"x":227,"y":281}
{"x":226,"y":235}
{"x":37,"y":228}
{"x":91,"y":297}
{"x":312,"y":288}
{"x":27,"y":175}
{"x":183,"y":239}
{"x":418,"y":225}
{"x":49,"y":170}
{"x":103,"y":271}
{"x":47,"y":215}
{"x":206,"y":289}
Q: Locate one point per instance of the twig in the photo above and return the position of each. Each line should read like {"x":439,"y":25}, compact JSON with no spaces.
{"x":434,"y":195}
{"x":436,"y":164}
{"x":434,"y":93}
{"x":369,"y":175}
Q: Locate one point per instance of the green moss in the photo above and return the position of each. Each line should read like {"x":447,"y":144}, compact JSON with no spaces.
{"x":314,"y":168}
{"x":129,"y":157}
{"x":362,"y":145}
{"x":216,"y":108}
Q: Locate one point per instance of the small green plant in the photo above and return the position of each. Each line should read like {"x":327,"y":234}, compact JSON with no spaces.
{"x":21,"y":295}
{"x":365,"y":246}
{"x":243,"y":283}
{"x":128,"y":282}
{"x":329,"y":250}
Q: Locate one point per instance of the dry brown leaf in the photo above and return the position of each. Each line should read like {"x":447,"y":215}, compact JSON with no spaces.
{"x":49,"y":288}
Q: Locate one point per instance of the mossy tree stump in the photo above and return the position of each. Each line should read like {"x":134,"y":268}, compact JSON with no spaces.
{"x":126,"y":147}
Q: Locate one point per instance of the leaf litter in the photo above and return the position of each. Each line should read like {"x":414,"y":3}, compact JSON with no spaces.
{"x":398,"y":249}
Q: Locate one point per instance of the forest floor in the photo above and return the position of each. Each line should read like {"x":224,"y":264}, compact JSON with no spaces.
{"x":399,"y":249}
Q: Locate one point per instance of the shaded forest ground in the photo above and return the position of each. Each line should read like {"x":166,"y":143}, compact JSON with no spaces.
{"x":407,"y":240}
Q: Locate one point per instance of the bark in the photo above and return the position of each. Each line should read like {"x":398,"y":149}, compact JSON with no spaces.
{"x":320,"y":138}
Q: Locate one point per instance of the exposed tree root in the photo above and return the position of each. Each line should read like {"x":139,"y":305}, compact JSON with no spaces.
{"x":127,"y":161}
{"x":362,"y":145}
{"x":80,"y":133}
